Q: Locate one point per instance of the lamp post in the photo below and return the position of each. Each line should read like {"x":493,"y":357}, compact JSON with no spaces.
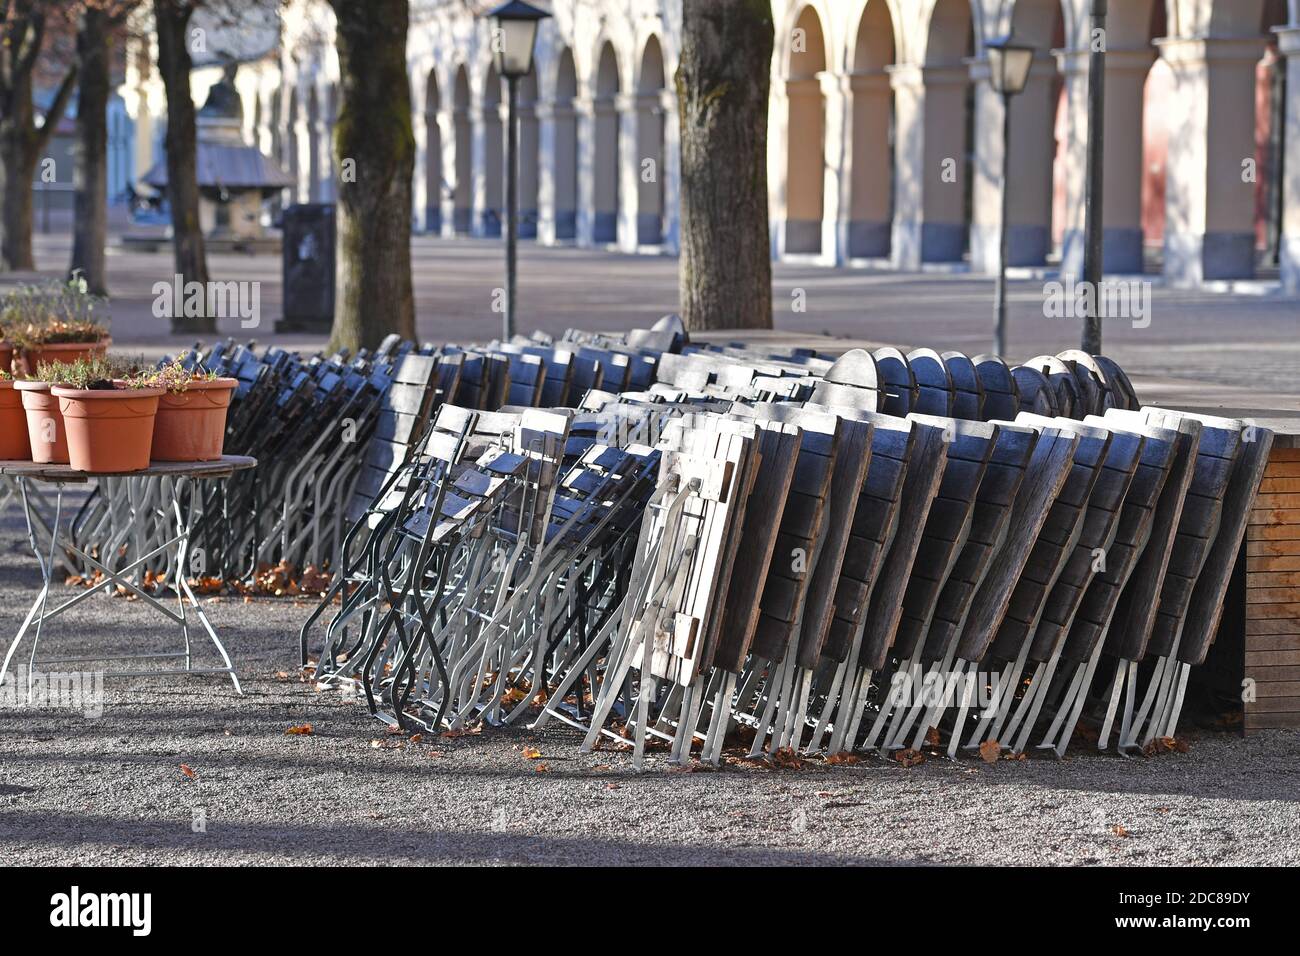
{"x":1092,"y":189}
{"x":1009,"y":63}
{"x":514,"y":34}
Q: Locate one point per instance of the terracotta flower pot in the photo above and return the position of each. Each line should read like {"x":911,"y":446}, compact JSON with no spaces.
{"x":45,"y":431}
{"x":191,"y":425}
{"x":6,"y":357}
{"x":109,"y":430}
{"x":64,"y":353}
{"x":14,"y":445}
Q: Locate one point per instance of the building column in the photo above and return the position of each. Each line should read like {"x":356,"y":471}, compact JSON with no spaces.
{"x":836,"y":170}
{"x":447,"y":197}
{"x":420,"y":186}
{"x":869,"y":168}
{"x":1209,"y":199}
{"x":1122,"y":159}
{"x":628,"y":173}
{"x":1030,"y":170}
{"x":585,"y":225}
{"x":671,"y":173}
{"x":529,"y":162}
{"x":930,"y":149}
{"x":302,"y":190}
{"x":556,"y":200}
{"x":778,"y":162}
{"x":1288,"y":43}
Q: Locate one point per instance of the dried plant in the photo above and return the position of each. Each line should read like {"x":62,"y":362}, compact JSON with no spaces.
{"x":52,"y":313}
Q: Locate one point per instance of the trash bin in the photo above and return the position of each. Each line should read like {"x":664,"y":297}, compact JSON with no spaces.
{"x":307,"y":233}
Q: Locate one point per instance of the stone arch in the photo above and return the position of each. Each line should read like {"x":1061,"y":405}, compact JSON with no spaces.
{"x":805,"y":186}
{"x":650,"y":135}
{"x":607,"y":86}
{"x":871,"y":187}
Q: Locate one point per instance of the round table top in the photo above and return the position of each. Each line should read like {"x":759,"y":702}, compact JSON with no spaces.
{"x":223,"y":467}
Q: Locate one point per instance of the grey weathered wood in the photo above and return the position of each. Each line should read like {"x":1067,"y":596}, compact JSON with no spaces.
{"x":1096,"y":537}
{"x":934,"y":384}
{"x":1198,"y":524}
{"x":1136,"y":521}
{"x":802,"y":525}
{"x":778,"y":446}
{"x":967,"y":392}
{"x":897,"y":381}
{"x":1135,"y":612}
{"x":994,"y":502}
{"x":1206,"y":607}
{"x":924,"y":474}
{"x":1049,"y":467}
{"x":1037,"y":396}
{"x":847,"y":477}
{"x":947,"y":527}
{"x":1001,"y":395}
{"x":874,"y":523}
{"x":1055,"y":541}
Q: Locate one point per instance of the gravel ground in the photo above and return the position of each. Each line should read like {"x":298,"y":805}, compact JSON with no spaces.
{"x":128,"y":787}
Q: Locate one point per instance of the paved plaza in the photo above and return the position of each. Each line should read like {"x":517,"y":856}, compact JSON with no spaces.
{"x":182,"y":771}
{"x":1239,"y":353}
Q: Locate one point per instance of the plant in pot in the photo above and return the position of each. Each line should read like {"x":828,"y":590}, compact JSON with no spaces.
{"x":14,"y":444}
{"x":54,"y":322}
{"x":191,"y":421}
{"x":47,"y":440}
{"x":6,"y":349}
{"x":108,"y":414}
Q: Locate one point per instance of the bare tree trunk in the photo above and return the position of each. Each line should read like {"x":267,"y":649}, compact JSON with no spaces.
{"x":172,"y":18}
{"x":21,"y":141}
{"x":90,"y":172}
{"x":374,"y":149}
{"x":722,"y":89}
{"x":18,"y":162}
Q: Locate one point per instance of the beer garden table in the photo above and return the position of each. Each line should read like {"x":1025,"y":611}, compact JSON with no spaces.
{"x":176,"y":543}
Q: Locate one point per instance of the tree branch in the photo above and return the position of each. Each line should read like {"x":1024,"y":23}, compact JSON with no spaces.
{"x":57,"y":109}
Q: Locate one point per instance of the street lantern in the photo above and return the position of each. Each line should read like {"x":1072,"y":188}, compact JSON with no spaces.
{"x":514,"y":34}
{"x":1009,"y":64}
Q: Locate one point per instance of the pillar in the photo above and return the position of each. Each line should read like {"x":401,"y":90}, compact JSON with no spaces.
{"x":835,"y":169}
{"x":1210,"y":201}
{"x":1288,"y":39}
{"x":1122,"y":159}
{"x":1029,"y":172}
{"x":930,"y":164}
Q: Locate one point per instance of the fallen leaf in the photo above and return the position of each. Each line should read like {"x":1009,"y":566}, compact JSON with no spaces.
{"x":909,"y":757}
{"x":1119,"y":831}
{"x":531,"y":754}
{"x":843,"y":757}
{"x":300,"y":730}
{"x":990,"y":750}
{"x":932,"y":737}
{"x":542,"y":768}
{"x":187,"y":770}
{"x":786,"y":758}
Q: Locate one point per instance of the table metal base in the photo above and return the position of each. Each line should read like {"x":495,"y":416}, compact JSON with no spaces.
{"x":188,"y":608}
